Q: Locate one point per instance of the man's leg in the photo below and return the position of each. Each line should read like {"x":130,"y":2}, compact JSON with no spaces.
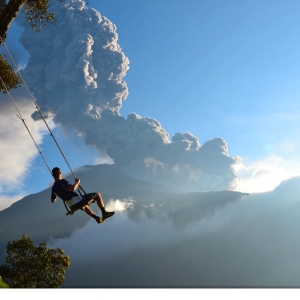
{"x":100,"y":203}
{"x":91,"y":213}
{"x":88,"y":211}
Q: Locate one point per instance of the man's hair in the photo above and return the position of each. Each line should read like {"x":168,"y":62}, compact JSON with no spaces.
{"x":56,"y":172}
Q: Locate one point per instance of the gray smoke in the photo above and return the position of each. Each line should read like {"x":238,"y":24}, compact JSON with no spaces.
{"x":76,"y":70}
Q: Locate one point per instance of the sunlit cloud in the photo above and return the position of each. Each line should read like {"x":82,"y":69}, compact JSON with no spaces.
{"x":119,"y":205}
{"x":17,"y":150}
{"x":6,"y":201}
{"x":103,"y":160}
{"x":265,"y":174}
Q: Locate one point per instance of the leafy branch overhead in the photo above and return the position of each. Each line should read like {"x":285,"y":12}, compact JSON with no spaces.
{"x":37,"y":13}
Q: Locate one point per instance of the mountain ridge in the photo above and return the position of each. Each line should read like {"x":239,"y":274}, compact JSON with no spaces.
{"x":42,"y":220}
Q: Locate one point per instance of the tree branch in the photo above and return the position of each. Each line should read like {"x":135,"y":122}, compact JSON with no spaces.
{"x":10,"y":11}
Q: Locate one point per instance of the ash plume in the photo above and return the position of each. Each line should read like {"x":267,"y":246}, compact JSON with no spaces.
{"x":76,"y":70}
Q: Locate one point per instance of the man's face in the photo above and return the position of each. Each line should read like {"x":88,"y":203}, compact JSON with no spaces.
{"x":59,"y":176}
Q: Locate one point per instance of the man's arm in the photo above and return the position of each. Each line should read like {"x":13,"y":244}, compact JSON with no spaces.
{"x":53,"y":196}
{"x":73,"y":187}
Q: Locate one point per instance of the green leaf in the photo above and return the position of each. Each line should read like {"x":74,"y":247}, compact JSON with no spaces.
{"x":28,"y":266}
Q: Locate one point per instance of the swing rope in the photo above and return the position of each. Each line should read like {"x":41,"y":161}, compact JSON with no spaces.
{"x":37,"y":107}
{"x":23,"y":120}
{"x":80,"y":189}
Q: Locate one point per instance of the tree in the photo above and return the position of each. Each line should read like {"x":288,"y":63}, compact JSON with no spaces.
{"x":37,"y":14}
{"x":28,"y":266}
{"x":2,"y":284}
{"x":8,"y":76}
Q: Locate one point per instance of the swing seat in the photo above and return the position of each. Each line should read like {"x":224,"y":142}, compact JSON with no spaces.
{"x":80,"y":205}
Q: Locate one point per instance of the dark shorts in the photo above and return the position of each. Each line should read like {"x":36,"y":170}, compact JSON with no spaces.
{"x":87,"y":199}
{"x":89,"y":196}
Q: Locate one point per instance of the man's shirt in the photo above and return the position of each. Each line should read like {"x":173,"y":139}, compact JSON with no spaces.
{"x":60,"y":188}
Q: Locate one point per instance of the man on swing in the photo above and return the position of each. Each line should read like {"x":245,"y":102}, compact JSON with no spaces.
{"x":66,"y":191}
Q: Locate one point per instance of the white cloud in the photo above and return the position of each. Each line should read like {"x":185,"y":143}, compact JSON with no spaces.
{"x":126,"y":235}
{"x":118,"y":205}
{"x":6,"y":201}
{"x":265,"y":174}
{"x":17,"y":150}
{"x":103,"y":160}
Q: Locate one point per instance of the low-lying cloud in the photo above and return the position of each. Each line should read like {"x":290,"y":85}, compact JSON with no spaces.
{"x":131,"y":230}
{"x":250,"y":243}
{"x":265,"y":174}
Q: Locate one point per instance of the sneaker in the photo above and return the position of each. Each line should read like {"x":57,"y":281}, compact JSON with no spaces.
{"x":100,"y":220}
{"x":107,"y":215}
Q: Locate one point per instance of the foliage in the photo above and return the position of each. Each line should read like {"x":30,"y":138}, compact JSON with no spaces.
{"x":37,"y":13}
{"x":28,"y":266}
{"x":2,"y":284}
{"x":10,"y":78}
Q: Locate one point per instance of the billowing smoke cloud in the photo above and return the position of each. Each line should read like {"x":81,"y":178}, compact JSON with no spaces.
{"x":76,"y":70}
{"x":80,"y":69}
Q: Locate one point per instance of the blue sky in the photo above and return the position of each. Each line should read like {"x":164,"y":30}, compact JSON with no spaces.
{"x":227,"y":69}
{"x":223,"y":68}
